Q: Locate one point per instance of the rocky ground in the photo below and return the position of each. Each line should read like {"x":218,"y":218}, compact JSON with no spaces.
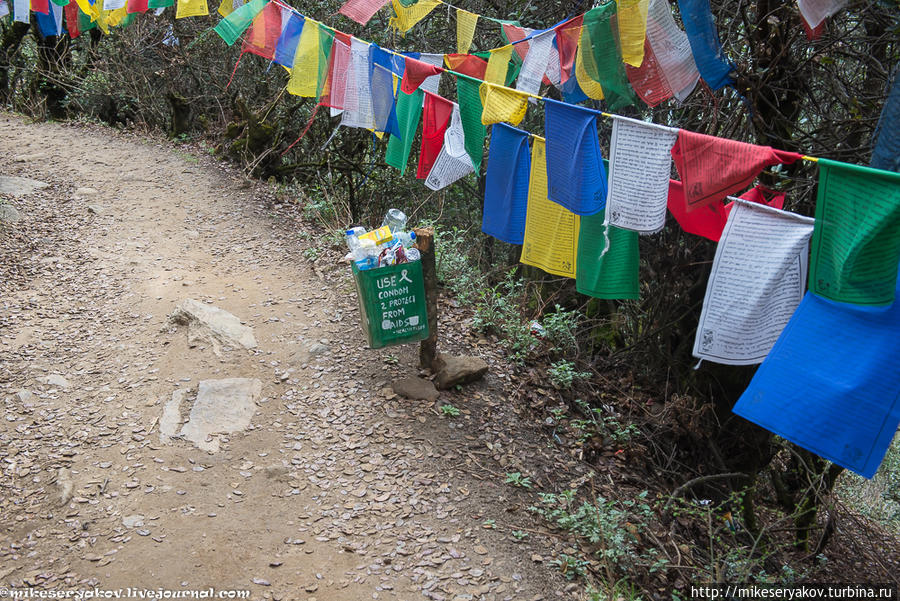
{"x":330,"y":487}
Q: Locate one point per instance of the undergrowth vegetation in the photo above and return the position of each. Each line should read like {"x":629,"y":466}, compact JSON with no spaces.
{"x":709,"y":496}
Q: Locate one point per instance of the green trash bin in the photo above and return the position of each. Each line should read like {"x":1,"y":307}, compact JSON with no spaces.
{"x":392,"y":305}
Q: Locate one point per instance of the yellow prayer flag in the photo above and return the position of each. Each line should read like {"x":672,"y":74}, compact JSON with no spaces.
{"x":584,"y":58}
{"x":465,"y":30}
{"x":226,"y":7}
{"x":304,"y":79}
{"x":498,"y":64}
{"x":88,"y":9}
{"x":191,"y":8}
{"x":551,"y":230}
{"x":632,"y":18}
{"x":115,"y":17}
{"x":406,"y":17}
{"x":101,"y":20}
{"x":502,"y":104}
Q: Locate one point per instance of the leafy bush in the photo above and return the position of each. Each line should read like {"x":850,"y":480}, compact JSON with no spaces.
{"x":563,"y":374}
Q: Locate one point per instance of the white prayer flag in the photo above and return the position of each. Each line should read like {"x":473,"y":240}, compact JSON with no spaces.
{"x":113,"y":4}
{"x":453,"y":162}
{"x":58,"y":17}
{"x":432,"y":82}
{"x":22,"y":10}
{"x":535,"y":64}
{"x":4,"y":8}
{"x":756,"y":284}
{"x":816,"y":11}
{"x":672,"y":49}
{"x":639,"y":168}
{"x":358,"y":96}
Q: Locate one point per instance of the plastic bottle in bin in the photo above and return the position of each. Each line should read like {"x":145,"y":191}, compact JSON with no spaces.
{"x":395,"y":219}
{"x":407,"y":239}
{"x":352,"y":237}
{"x":366,"y":255}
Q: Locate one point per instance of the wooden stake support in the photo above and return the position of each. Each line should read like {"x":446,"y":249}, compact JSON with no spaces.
{"x":425,"y":244}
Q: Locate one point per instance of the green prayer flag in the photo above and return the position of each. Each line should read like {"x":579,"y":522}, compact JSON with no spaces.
{"x":236,"y":23}
{"x":85,"y":23}
{"x":607,"y":67}
{"x":856,"y":240}
{"x":60,"y":2}
{"x":159,"y":4}
{"x":326,"y":40}
{"x":514,"y":67}
{"x":470,"y":109}
{"x":613,"y":275}
{"x":409,"y":113}
{"x":127,"y":20}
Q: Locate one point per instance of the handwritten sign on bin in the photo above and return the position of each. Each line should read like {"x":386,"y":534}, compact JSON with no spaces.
{"x":392,"y":304}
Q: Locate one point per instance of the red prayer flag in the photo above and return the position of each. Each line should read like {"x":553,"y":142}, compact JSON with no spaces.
{"x":567,"y":36}
{"x":71,"y":12}
{"x":514,"y":33}
{"x":435,"y":119}
{"x":648,"y":80}
{"x":812,"y":33}
{"x":336,"y":81}
{"x":467,"y":64}
{"x":415,"y":73}
{"x":136,"y":6}
{"x":711,"y":168}
{"x":41,"y":6}
{"x":262,"y":37}
{"x":361,"y":10}
{"x":709,"y":221}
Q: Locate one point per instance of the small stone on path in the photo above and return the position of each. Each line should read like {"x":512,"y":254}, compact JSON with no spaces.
{"x":415,"y":388}
{"x":222,"y":406}
{"x":212,"y":324}
{"x":54,"y":380}
{"x":454,"y":371}
{"x":19,"y":186}
{"x":9,"y":214}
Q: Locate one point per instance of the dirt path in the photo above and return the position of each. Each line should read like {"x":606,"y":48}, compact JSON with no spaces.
{"x":336,"y":491}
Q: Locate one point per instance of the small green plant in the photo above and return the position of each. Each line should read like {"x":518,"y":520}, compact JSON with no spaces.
{"x":489,"y":524}
{"x":611,"y":527}
{"x":450,"y":410}
{"x":597,"y":423}
{"x":619,"y":591}
{"x":312,"y":253}
{"x":452,"y":263}
{"x":560,"y":327}
{"x":517,"y":479}
{"x":498,"y":310}
{"x":563,"y":374}
{"x":571,"y":567}
{"x":519,"y":535}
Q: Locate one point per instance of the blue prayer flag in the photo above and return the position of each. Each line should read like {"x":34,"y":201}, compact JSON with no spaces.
{"x":831,"y":384}
{"x":287,"y":42}
{"x":506,"y":184}
{"x":576,"y":178}
{"x":705,"y":45}
{"x":384,"y":101}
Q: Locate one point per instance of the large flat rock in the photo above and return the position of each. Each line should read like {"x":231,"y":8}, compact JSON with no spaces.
{"x":19,"y":186}
{"x":222,"y":407}
{"x":213,"y":325}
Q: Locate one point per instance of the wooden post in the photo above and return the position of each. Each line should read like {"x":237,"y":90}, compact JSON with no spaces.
{"x":428,"y":347}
